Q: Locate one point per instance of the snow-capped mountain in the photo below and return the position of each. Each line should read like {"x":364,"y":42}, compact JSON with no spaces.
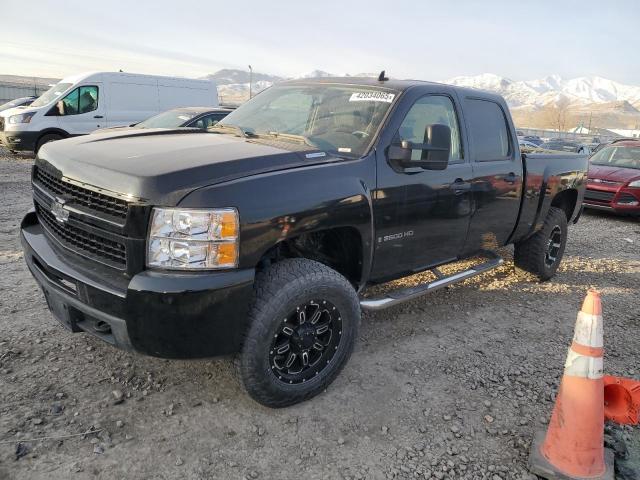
{"x":233,"y":85}
{"x":534,"y":93}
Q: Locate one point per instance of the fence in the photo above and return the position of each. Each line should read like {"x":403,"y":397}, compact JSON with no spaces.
{"x":11,"y":91}
{"x":600,"y":135}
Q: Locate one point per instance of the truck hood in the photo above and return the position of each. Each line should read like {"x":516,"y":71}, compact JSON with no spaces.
{"x":612,"y":174}
{"x":161,"y":166}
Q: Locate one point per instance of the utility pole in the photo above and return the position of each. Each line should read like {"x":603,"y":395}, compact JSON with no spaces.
{"x":250,"y":80}
{"x":590,"y":116}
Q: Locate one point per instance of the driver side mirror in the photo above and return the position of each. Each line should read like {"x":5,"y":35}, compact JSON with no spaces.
{"x":435,"y":149}
{"x":60,"y":107}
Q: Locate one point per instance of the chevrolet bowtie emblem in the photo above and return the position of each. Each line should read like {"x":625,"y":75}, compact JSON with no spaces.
{"x":58,"y":210}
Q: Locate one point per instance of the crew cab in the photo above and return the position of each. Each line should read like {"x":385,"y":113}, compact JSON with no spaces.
{"x":260,"y":236}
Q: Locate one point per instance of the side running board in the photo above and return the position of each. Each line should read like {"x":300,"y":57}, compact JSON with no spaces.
{"x":402,"y":295}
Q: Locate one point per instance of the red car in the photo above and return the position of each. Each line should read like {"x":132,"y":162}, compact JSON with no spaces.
{"x":614,"y":178}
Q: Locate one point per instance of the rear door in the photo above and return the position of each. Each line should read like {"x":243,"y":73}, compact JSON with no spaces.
{"x":497,"y":174}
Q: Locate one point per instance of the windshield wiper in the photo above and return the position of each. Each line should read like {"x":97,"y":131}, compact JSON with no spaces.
{"x":234,"y":128}
{"x":291,"y":136}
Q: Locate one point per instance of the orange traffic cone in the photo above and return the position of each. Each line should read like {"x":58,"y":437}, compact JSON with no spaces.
{"x":573,"y":446}
{"x":621,"y":400}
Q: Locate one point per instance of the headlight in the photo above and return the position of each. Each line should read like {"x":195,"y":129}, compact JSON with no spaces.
{"x":22,"y":118}
{"x":193,"y":239}
{"x":635,"y":183}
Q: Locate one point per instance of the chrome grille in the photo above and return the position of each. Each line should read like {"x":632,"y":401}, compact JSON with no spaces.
{"x":93,"y":201}
{"x":88,"y":244}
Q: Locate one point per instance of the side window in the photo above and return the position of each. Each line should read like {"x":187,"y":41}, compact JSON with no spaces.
{"x":70,"y":103}
{"x":430,"y":110}
{"x":211,"y":120}
{"x":88,"y":99}
{"x":488,"y":130}
{"x":80,"y":100}
{"x":208,"y":121}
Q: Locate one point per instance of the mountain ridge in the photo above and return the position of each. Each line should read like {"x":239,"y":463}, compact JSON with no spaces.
{"x":577,"y":92}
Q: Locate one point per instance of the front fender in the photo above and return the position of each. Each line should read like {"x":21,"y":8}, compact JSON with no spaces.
{"x":280,"y":205}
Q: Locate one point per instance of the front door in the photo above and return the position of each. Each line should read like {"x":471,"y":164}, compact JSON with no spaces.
{"x":82,"y":110}
{"x":422,"y":216}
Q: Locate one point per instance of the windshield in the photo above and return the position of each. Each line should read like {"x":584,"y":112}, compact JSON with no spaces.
{"x":341,"y":119}
{"x":51,"y":94}
{"x":620,"y":156}
{"x":170,"y":119}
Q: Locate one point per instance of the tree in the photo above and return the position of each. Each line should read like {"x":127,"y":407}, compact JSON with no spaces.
{"x":556,"y":115}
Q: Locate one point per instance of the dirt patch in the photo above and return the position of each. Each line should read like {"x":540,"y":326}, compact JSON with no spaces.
{"x":453,"y":385}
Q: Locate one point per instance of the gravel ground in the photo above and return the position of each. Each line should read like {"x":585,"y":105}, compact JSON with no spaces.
{"x":453,"y":385}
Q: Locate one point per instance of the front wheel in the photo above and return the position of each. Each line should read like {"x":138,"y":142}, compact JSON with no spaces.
{"x":542,"y":253}
{"x":303,"y":326}
{"x":49,"y":137}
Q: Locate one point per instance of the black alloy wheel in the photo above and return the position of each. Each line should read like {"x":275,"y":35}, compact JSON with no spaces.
{"x":553,"y":246}
{"x":302,"y":327}
{"x":306,"y":341}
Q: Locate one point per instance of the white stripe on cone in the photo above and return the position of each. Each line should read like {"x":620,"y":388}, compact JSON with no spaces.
{"x":583,"y":366}
{"x":589,"y":330}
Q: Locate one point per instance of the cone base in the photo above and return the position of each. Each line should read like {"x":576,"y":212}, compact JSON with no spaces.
{"x":541,"y":467}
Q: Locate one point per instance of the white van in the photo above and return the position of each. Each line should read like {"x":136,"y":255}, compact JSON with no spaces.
{"x":80,"y":104}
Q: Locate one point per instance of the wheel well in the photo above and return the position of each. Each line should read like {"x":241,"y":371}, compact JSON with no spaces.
{"x":566,"y":200}
{"x":339,"y":248}
{"x":52,"y":131}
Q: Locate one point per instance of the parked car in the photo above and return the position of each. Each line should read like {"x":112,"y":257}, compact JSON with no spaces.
{"x":566,"y":146}
{"x":260,"y":236}
{"x":190,"y":117}
{"x":533,"y":139}
{"x":80,"y":104}
{"x":18,"y":102}
{"x":525,"y":144}
{"x":614,"y":178}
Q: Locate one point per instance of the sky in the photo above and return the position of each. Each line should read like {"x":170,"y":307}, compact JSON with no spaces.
{"x":420,"y":39}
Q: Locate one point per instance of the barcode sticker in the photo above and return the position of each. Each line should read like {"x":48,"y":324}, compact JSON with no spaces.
{"x":372,"y":97}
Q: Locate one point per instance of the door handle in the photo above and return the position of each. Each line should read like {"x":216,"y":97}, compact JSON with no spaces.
{"x":98,"y":116}
{"x":510,"y":178}
{"x":459,"y":186}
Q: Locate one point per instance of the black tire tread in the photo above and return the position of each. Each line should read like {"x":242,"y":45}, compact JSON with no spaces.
{"x":529,"y":254}
{"x":49,"y":137}
{"x":273,"y":286}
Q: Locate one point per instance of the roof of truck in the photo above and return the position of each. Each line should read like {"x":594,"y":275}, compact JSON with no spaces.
{"x":393,"y":84}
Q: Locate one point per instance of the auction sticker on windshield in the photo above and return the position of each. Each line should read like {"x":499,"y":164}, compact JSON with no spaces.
{"x":372,"y":97}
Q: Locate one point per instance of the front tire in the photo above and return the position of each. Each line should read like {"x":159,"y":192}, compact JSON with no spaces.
{"x":542,"y":253}
{"x":302,"y":329}
{"x":49,"y":137}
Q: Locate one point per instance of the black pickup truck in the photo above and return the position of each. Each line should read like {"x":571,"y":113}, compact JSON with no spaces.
{"x":259,"y":236}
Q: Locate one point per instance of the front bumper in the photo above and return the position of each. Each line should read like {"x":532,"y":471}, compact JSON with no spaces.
{"x":168,"y":315}
{"x":621,"y":200}
{"x":19,"y":140}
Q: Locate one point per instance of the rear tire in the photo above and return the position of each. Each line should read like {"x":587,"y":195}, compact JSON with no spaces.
{"x":542,"y":253}
{"x":295,"y":299}
{"x":49,"y":137}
